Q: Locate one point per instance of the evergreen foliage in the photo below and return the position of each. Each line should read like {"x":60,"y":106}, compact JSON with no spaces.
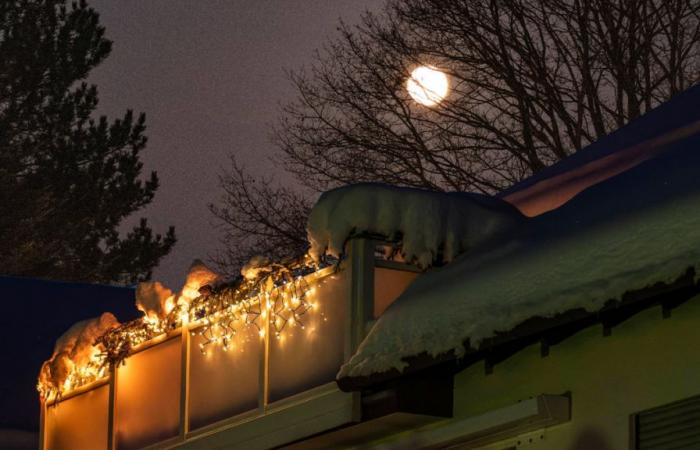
{"x":67,"y":179}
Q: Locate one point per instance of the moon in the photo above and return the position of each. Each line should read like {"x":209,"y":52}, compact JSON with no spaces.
{"x":427,"y":85}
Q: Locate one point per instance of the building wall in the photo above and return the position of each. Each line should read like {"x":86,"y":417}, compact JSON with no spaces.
{"x":646,"y":362}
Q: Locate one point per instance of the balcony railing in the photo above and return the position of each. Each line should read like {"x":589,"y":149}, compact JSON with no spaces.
{"x":263,"y":391}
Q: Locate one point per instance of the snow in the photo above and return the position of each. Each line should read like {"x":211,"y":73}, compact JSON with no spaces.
{"x":430,"y":224}
{"x":75,"y":348}
{"x":198,"y":275}
{"x":628,"y":232}
{"x":154,"y":299}
{"x":553,"y":192}
{"x":255,"y":266}
{"x":622,"y":149}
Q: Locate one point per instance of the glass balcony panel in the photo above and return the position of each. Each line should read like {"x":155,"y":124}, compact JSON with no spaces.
{"x":148,"y":396}
{"x":79,"y":422}
{"x":307,"y":357}
{"x":224,"y":383}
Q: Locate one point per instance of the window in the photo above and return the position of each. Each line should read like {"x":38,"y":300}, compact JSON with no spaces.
{"x":672,"y":426}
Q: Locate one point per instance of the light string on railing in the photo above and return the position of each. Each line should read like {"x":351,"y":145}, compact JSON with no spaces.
{"x":276,"y":299}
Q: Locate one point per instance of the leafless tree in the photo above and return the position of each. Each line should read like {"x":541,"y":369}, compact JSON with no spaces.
{"x":531,"y":82}
{"x":257,"y":217}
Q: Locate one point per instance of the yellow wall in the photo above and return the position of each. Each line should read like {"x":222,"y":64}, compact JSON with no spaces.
{"x":648,"y":361}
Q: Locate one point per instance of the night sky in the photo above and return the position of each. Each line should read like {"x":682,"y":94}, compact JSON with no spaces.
{"x":209,"y":76}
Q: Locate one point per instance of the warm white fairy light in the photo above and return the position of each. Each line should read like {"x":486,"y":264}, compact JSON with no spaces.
{"x":277,"y":300}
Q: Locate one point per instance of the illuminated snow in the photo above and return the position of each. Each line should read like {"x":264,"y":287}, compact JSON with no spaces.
{"x":433,"y":226}
{"x":629,"y":232}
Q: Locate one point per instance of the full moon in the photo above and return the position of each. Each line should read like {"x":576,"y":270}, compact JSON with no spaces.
{"x":427,"y":85}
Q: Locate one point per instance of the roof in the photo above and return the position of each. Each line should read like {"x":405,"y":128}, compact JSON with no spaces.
{"x":615,"y":153}
{"x":36,"y":313}
{"x":636,"y":232}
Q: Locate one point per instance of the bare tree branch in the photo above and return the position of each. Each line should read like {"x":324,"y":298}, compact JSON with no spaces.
{"x":257,"y":217}
{"x":531,"y":82}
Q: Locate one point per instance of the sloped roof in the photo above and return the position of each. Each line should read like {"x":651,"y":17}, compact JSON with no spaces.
{"x":615,"y":153}
{"x":627,"y":233}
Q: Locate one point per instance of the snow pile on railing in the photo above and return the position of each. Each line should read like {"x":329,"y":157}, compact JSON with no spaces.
{"x":428,"y":224}
{"x":81,"y":354}
{"x":157,"y":301}
{"x":76,"y":359}
{"x":627,"y":233}
{"x":272,"y":297}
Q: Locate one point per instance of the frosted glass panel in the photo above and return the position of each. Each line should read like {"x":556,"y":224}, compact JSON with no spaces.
{"x":148,"y":396}
{"x":79,"y":422}
{"x":309,"y":357}
{"x":388,"y":285}
{"x":224,"y":383}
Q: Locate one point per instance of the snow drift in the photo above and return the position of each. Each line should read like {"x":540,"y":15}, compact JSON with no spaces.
{"x":428,"y":223}
{"x":156,"y":301}
{"x":255,"y":266}
{"x":629,"y":232}
{"x":198,"y":275}
{"x":74,"y":349}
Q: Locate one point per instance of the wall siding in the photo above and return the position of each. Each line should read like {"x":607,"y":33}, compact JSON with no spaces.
{"x":646,"y":362}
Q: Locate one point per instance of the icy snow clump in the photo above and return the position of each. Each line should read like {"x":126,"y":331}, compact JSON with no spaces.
{"x":255,"y":266}
{"x":74,"y":349}
{"x":154,"y":299}
{"x":428,"y":223}
{"x":199,"y":275}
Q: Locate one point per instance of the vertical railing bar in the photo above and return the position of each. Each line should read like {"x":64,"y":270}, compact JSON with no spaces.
{"x":361,"y":290}
{"x":185,"y":383}
{"x":266,"y":359}
{"x":111,"y":408}
{"x":264,"y":369}
{"x":360,"y":305}
{"x":42,"y":425}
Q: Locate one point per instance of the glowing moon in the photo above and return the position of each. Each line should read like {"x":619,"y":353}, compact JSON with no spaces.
{"x":427,"y":85}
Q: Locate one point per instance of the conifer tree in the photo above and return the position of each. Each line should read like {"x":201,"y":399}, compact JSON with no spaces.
{"x":67,"y":178}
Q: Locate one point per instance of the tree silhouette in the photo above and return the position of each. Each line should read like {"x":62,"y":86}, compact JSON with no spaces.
{"x":67,"y":179}
{"x":531,"y":82}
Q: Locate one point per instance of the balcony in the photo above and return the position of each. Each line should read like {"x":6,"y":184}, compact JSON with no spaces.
{"x":263,"y":391}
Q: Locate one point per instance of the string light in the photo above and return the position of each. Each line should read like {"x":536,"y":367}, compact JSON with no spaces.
{"x":277,"y":298}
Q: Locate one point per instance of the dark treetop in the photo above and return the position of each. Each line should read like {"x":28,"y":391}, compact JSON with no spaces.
{"x":67,"y":179}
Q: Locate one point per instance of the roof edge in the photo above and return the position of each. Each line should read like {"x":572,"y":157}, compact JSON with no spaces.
{"x":547,"y":331}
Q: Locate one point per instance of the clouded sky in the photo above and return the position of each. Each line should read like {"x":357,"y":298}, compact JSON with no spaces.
{"x":209,"y":75}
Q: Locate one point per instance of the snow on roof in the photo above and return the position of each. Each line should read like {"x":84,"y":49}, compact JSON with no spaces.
{"x":615,"y":153}
{"x":628,"y":232}
{"x":429,"y":224}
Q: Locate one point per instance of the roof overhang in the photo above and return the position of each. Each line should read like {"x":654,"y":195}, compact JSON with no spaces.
{"x":545,"y":331}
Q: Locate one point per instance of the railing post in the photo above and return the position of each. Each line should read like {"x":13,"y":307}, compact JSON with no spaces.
{"x":42,"y":424}
{"x":111,"y":411}
{"x":185,"y":383}
{"x":264,"y":371}
{"x":361,"y":291}
{"x":360,"y":307}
